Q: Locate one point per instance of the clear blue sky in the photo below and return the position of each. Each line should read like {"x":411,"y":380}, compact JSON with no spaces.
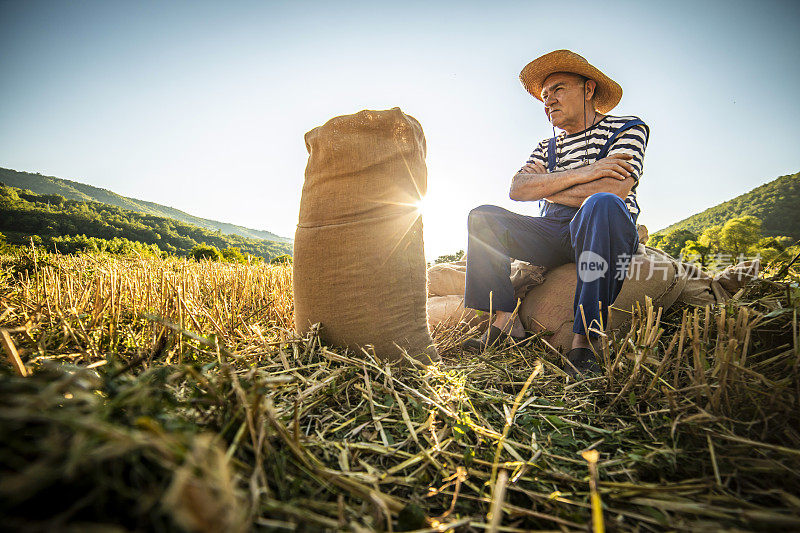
{"x":203,"y":106}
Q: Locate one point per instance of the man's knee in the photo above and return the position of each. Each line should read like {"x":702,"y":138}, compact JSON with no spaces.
{"x":482,"y":214}
{"x":603,"y":201}
{"x":602,"y":209}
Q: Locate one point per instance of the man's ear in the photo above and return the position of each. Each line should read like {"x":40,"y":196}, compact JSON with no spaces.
{"x":590,"y":86}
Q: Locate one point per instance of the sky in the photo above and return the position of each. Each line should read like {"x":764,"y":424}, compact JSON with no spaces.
{"x":203,"y":106}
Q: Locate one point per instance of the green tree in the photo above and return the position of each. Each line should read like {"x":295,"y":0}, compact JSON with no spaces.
{"x":205,"y":251}
{"x":697,"y":248}
{"x":233,"y":255}
{"x":672,"y":242}
{"x":449,"y":258}
{"x":770,"y":248}
{"x":779,"y":243}
{"x":711,"y":234}
{"x":704,"y":246}
{"x":284,"y":259}
{"x":739,"y":235}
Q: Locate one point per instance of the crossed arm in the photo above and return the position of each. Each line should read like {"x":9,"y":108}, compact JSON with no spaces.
{"x":612,"y":174}
{"x":575,"y":195}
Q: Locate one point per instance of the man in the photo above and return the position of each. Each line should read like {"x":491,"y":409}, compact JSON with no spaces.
{"x":585,"y":181}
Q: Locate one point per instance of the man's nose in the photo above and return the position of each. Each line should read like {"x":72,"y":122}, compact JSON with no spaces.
{"x":549,"y":100}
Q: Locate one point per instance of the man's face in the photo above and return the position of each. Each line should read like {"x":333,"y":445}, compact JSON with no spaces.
{"x":563,"y":97}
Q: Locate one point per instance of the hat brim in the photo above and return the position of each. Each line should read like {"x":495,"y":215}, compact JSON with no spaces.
{"x":608,"y":93}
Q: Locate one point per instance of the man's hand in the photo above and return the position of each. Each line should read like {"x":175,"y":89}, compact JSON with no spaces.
{"x":534,"y":168}
{"x":614,"y":166}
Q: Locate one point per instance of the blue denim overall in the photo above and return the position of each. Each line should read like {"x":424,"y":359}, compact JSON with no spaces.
{"x":601,"y":231}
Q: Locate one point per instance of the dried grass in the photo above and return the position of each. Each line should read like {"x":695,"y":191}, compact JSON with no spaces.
{"x":169,"y":395}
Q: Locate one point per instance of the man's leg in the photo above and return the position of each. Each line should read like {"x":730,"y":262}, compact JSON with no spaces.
{"x":604,"y":239}
{"x":495,"y":236}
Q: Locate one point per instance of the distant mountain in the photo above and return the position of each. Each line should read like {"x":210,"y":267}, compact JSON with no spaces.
{"x":73,"y":190}
{"x":776,"y":203}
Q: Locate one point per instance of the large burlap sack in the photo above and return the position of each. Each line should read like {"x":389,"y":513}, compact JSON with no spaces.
{"x":445,"y":279}
{"x":450,"y":311}
{"x":359,"y":265}
{"x":548,"y":307}
{"x":652,"y":273}
{"x":446,"y":285}
{"x":736,"y":276}
{"x":703,"y":289}
{"x":697,"y":290}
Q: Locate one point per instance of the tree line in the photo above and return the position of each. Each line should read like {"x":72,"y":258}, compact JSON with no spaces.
{"x":774,"y":204}
{"x":724,"y":244}
{"x":82,"y":192}
{"x":70,"y":226}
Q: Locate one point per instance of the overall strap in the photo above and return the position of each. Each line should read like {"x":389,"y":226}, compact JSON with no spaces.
{"x":551,"y":154}
{"x":551,"y":167}
{"x":631,"y":123}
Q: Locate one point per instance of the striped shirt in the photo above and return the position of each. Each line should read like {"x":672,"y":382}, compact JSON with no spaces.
{"x":578,"y":149}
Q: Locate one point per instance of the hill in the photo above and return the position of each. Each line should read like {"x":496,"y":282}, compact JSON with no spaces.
{"x":66,"y":224}
{"x":74,"y":190}
{"x":776,"y":203}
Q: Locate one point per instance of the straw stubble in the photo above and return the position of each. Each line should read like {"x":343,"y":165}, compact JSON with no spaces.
{"x":204,"y":394}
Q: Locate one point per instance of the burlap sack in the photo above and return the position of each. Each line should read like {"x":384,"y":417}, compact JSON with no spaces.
{"x":651,"y":273}
{"x":359,"y":265}
{"x":736,"y":276}
{"x":641,"y":230}
{"x":445,"y":279}
{"x":703,"y":289}
{"x":697,"y":290}
{"x":548,"y":307}
{"x":524,"y":277}
{"x":449,"y":311}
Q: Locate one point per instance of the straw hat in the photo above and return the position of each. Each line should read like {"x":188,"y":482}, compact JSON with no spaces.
{"x":607,"y":94}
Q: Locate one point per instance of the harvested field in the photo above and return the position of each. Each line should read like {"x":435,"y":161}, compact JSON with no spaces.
{"x":169,"y":395}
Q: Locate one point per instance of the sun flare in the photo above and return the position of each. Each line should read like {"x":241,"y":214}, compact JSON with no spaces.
{"x":419,"y":205}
